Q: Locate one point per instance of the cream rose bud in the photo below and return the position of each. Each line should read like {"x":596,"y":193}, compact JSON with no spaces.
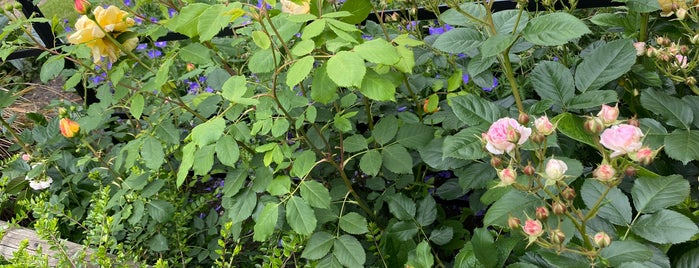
{"x":504,"y":134}
{"x":622,"y":139}
{"x":533,"y":228}
{"x":609,"y":114}
{"x":543,"y":125}
{"x":507,"y":176}
{"x":555,"y":169}
{"x":602,"y":239}
{"x":604,"y":172}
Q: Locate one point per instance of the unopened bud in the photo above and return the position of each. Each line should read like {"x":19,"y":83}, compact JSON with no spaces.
{"x":82,"y":6}
{"x":660,"y":40}
{"x":684,"y":49}
{"x":568,"y":193}
{"x":633,"y":121}
{"x":690,"y":81}
{"x":523,"y":119}
{"x":529,"y":170}
{"x":695,"y":39}
{"x":644,"y":156}
{"x":538,"y":138}
{"x":513,"y":222}
{"x":558,"y":208}
{"x":604,"y":172}
{"x":602,"y":240}
{"x":496,"y":162}
{"x":8,"y":7}
{"x":651,"y":52}
{"x":513,"y":135}
{"x":681,"y":13}
{"x":190,"y":67}
{"x":594,"y":125}
{"x":630,"y":171}
{"x":557,"y":236}
{"x":542,"y":213}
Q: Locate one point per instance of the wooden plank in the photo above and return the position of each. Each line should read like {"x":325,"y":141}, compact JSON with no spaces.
{"x":12,"y":236}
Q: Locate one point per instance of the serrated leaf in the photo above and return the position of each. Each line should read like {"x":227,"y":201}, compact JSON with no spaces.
{"x":299,"y":70}
{"x":209,"y":131}
{"x":592,"y":98}
{"x":620,"y":252}
{"x":354,"y":223}
{"x":158,"y":243}
{"x":465,"y":144}
{"x":323,"y":89}
{"x":427,"y":211}
{"x":318,"y":246}
{"x":261,"y":39}
{"x":605,"y":64}
{"x":653,"y":194}
{"x":385,"y":130}
{"x":554,"y":29}
{"x":187,"y":162}
{"x":414,"y":136}
{"x":359,"y":9}
{"x":212,"y":20}
{"x":137,"y":105}
{"x":300,"y":216}
{"x":496,"y":44}
{"x":682,"y":145}
{"x":378,"y":51}
{"x":378,"y":87}
{"x":459,"y":40}
{"x":227,"y":151}
{"x":195,"y":53}
{"x":346,"y":69}
{"x":187,"y":20}
{"x":152,"y":153}
{"x":513,"y":203}
{"x":442,"y":235}
{"x":303,"y":164}
{"x":354,"y":143}
{"x":397,"y":159}
{"x":403,"y":230}
{"x":672,"y":109}
{"x":615,"y":207}
{"x":484,"y":247}
{"x":454,"y":17}
{"x":402,"y":207}
{"x":474,"y":110}
{"x":553,"y":82}
{"x":689,"y":259}
{"x":315,"y":193}
{"x":665,"y":227}
{"x":421,"y":256}
{"x":370,"y":163}
{"x":242,"y":204}
{"x":506,"y":20}
{"x":160,"y":210}
{"x":572,"y":126}
{"x":349,"y":252}
{"x":264,"y":227}
{"x":205,"y":160}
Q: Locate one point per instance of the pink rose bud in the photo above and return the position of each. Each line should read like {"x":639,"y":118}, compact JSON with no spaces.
{"x":504,"y":134}
{"x":543,"y":125}
{"x":507,"y":176}
{"x":81,"y":6}
{"x":555,"y":169}
{"x":681,"y":61}
{"x":513,"y":222}
{"x":651,"y":52}
{"x":609,"y":114}
{"x":643,"y":156}
{"x":557,"y":236}
{"x":533,"y":228}
{"x":496,"y":162}
{"x":630,"y":171}
{"x":604,"y":172}
{"x":602,"y":239}
{"x":542,"y":213}
{"x":523,"y":119}
{"x":568,"y":193}
{"x":558,"y":208}
{"x":529,"y":170}
{"x":26,"y":157}
{"x":634,"y":122}
{"x":622,"y":139}
{"x":640,"y":48}
{"x":190,"y":67}
{"x":593,"y":125}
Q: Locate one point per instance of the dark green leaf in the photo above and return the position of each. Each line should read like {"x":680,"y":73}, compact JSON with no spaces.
{"x":318,"y":246}
{"x":397,"y":159}
{"x":242,"y":205}
{"x":553,"y":82}
{"x":421,"y":256}
{"x":160,"y":210}
{"x":402,"y":207}
{"x":353,"y":223}
{"x":653,"y":194}
{"x":665,"y":227}
{"x":615,"y":207}
{"x":554,"y":29}
{"x":459,"y":40}
{"x":370,"y":162}
{"x":385,"y":130}
{"x":415,"y":136}
{"x":689,"y":259}
{"x":604,"y":64}
{"x":671,"y":108}
{"x":442,"y":235}
{"x":300,"y":216}
{"x":592,"y":98}
{"x":349,"y":252}
{"x":323,"y":89}
{"x":427,"y":211}
{"x":474,"y":110}
{"x":152,"y":152}
{"x":682,"y":145}
{"x":465,"y":145}
{"x":620,"y":252}
{"x":513,"y":203}
{"x":158,"y":243}
{"x":355,"y":143}
{"x":315,"y":193}
{"x":484,"y":247}
{"x":403,"y":230}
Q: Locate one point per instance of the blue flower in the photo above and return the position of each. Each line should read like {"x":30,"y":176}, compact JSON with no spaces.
{"x":495,"y":84}
{"x":154,"y":53}
{"x":153,"y":19}
{"x":555,"y":58}
{"x":160,"y":44}
{"x":202,"y":79}
{"x":465,"y":78}
{"x":402,"y":109}
{"x":209,"y":89}
{"x":141,"y":47}
{"x":367,"y":37}
{"x":138,"y":20}
{"x":127,"y":3}
{"x":440,"y":29}
{"x":171,"y":12}
{"x":260,"y":2}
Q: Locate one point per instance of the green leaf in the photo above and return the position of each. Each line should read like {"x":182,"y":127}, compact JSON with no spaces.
{"x":604,"y":64}
{"x":195,"y":53}
{"x":403,"y":230}
{"x":407,"y":60}
{"x":385,"y":130}
{"x":360,"y":9}
{"x":459,"y":40}
{"x":227,"y":151}
{"x":158,"y":243}
{"x":466,"y":257}
{"x":371,"y":162}
{"x":137,"y":105}
{"x":506,"y":20}
{"x":592,"y":98}
{"x":554,"y":29}
{"x":264,"y":227}
{"x":209,"y":131}
{"x":354,"y":223}
{"x":397,"y":159}
{"x":513,"y":203}
{"x":262,"y":61}
{"x":187,"y":162}
{"x":414,"y":136}
{"x":51,"y":68}
{"x":299,"y":70}
{"x":653,"y":194}
{"x":279,"y":186}
{"x":378,"y":51}
{"x":665,"y":227}
{"x":138,"y":212}
{"x":300,"y":216}
{"x":152,"y":153}
{"x":205,"y":160}
{"x":402,"y":207}
{"x":572,"y":126}
{"x":564,"y":259}
{"x":378,"y":87}
{"x":642,"y":6}
{"x":553,"y":82}
{"x":160,"y":210}
{"x":484,"y":247}
{"x":212,"y":20}
{"x":354,"y":143}
{"x":466,"y":144}
{"x":346,"y":69}
{"x":442,"y":235}
{"x":261,"y":39}
{"x":315,"y":193}
{"x":455,"y":18}
{"x":689,"y":259}
{"x":323,"y":89}
{"x":427,"y":211}
{"x":421,"y":256}
{"x":349,"y":252}
{"x":474,"y":110}
{"x":187,"y":20}
{"x":313,"y":29}
{"x":496,"y":44}
{"x":615,"y":207}
{"x":620,"y":252}
{"x":478,"y":65}
{"x":475,"y":176}
{"x":318,"y":246}
{"x":303,"y":164}
{"x":302,"y":48}
{"x":682,"y":145}
{"x":672,"y":109}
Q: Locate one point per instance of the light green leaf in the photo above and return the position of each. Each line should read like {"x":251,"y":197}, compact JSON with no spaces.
{"x":421,"y":256}
{"x":572,"y":126}
{"x":378,"y":87}
{"x":653,"y":194}
{"x":620,"y":252}
{"x":385,"y":130}
{"x":346,"y":69}
{"x":359,"y":9}
{"x":264,"y":227}
{"x":353,"y":223}
{"x":642,"y":6}
{"x":227,"y":151}
{"x":261,"y":39}
{"x":137,"y":105}
{"x":378,"y":51}
{"x":242,"y":204}
{"x":455,"y":18}
{"x":427,"y":211}
{"x":279,"y":186}
{"x":459,"y":40}
{"x":187,"y":162}
{"x":152,"y":152}
{"x":315,"y":193}
{"x":506,"y":20}
{"x":370,"y":163}
{"x":604,"y":64}
{"x":474,"y":110}
{"x":672,"y":109}
{"x":51,"y":68}
{"x":195,"y":53}
{"x":592,"y":99}
{"x":402,"y":207}
{"x":302,"y":48}
{"x":665,"y":227}
{"x":318,"y":246}
{"x":496,"y":44}
{"x":262,"y":61}
{"x":300,"y":216}
{"x":349,"y":252}
{"x":303,"y":164}
{"x":553,"y":82}
{"x":299,"y":70}
{"x":212,"y":20}
{"x":160,"y":210}
{"x":187,"y":20}
{"x":682,"y":145}
{"x":209,"y":131}
{"x":323,"y":89}
{"x":554,"y":29}
{"x":313,"y":29}
{"x":397,"y":159}
{"x":615,"y":207}
{"x":513,"y":203}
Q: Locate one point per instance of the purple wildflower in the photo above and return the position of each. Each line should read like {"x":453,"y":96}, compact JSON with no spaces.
{"x":141,"y":47}
{"x":153,"y":19}
{"x":160,"y":44}
{"x":171,"y":12}
{"x":465,"y":78}
{"x":495,"y":84}
{"x":260,"y":2}
{"x":209,"y":89}
{"x":138,"y":20}
{"x":555,"y":58}
{"x":367,"y":37}
{"x":127,"y":3}
{"x":411,"y":26}
{"x":402,"y":109}
{"x":154,"y":53}
{"x":440,"y":29}
{"x":202,"y":79}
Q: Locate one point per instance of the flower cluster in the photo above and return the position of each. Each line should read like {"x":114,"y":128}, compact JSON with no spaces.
{"x":100,"y":33}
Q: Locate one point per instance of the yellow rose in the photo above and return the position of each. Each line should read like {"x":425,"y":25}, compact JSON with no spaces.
{"x":292,"y":8}
{"x":113,"y":19}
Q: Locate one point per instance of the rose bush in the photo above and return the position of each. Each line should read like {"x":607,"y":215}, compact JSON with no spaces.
{"x":308,"y":137}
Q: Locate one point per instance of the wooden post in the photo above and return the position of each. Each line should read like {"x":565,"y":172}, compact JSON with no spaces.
{"x":14,"y":235}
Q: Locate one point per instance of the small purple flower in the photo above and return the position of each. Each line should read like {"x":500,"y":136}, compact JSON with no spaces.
{"x":440,"y":29}
{"x":138,"y":20}
{"x":402,"y":109}
{"x":154,"y":53}
{"x":153,"y":19}
{"x":202,"y":215}
{"x":202,"y":79}
{"x":495,"y":84}
{"x":465,"y":78}
{"x":555,"y":58}
{"x":209,"y":89}
{"x":68,"y":29}
{"x":141,"y":47}
{"x":160,"y":44}
{"x":367,"y":37}
{"x":171,"y":12}
{"x":260,"y":2}
{"x":461,"y":55}
{"x":127,"y":3}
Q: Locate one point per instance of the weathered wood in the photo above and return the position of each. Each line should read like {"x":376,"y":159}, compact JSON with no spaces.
{"x":13,"y":236}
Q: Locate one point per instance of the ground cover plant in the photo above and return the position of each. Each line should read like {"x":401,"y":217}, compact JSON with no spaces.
{"x":308,"y":136}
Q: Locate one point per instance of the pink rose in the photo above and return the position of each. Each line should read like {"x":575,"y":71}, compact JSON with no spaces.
{"x":533,"y":228}
{"x":609,"y":114}
{"x":504,"y":134}
{"x":640,"y":48}
{"x":507,"y":176}
{"x":543,"y":125}
{"x":622,"y":139}
{"x":604,"y":172}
